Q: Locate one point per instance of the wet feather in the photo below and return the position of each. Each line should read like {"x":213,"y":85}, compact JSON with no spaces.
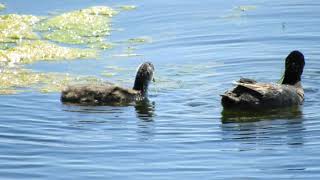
{"x":249,"y":94}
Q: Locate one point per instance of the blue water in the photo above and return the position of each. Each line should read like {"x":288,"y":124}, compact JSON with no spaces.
{"x":198,"y":48}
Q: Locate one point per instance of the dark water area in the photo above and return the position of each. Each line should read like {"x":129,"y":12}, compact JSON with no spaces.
{"x":199,"y":49}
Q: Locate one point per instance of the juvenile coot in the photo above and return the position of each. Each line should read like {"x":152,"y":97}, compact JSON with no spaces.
{"x":108,"y":93}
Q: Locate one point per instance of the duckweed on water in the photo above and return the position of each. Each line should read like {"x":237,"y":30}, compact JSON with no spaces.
{"x":30,"y":51}
{"x":14,"y":27}
{"x":79,"y":27}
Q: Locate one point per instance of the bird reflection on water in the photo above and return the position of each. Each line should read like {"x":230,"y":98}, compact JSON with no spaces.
{"x":241,"y":115}
{"x":145,"y":110}
{"x":263,"y":129}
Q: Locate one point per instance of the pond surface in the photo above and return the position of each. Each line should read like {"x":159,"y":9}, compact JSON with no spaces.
{"x":199,"y":49}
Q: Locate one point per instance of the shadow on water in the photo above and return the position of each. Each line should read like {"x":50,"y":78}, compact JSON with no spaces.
{"x":237,"y":115}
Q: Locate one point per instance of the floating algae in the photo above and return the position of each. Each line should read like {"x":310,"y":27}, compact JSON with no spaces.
{"x":139,"y":40}
{"x":79,"y":27}
{"x":102,"y":45}
{"x":2,"y":7}
{"x":128,"y":52}
{"x":4,"y":46}
{"x":246,"y":7}
{"x":19,"y":80}
{"x":14,"y":27}
{"x":239,"y":11}
{"x":128,"y":7}
{"x":110,"y":71}
{"x":31,"y":51}
{"x":20,"y":43}
{"x":56,"y":82}
{"x":10,"y":79}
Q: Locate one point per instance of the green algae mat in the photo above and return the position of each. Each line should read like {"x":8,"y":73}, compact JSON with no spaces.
{"x":2,"y":6}
{"x":84,"y":26}
{"x":25,"y":39}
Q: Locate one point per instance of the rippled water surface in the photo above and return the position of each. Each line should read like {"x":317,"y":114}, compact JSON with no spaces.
{"x":198,"y":48}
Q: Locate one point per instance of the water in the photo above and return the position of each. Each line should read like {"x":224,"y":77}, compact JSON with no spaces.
{"x":198,"y":49}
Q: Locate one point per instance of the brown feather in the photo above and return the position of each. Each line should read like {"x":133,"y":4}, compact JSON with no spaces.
{"x":96,"y":94}
{"x":262,"y":95}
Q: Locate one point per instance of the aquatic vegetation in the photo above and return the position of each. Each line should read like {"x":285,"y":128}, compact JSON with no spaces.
{"x":5,"y":45}
{"x":14,"y":80}
{"x":110,"y":71}
{"x":15,"y":27}
{"x":2,"y":6}
{"x":21,"y":42}
{"x":11,"y":79}
{"x":83,"y":26}
{"x":128,"y":7}
{"x":56,"y":82}
{"x":139,"y":40}
{"x":132,"y":43}
{"x":31,"y":51}
{"x":102,"y":45}
{"x":127,"y":52}
{"x":164,"y":83}
{"x":246,"y":7}
{"x":239,"y":11}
